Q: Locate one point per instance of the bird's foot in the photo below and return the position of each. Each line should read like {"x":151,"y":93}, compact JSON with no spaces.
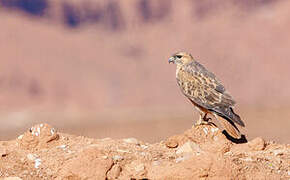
{"x":198,"y":123}
{"x":204,"y":122}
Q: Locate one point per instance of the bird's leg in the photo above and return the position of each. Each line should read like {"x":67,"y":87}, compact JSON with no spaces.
{"x":202,"y":119}
{"x":206,"y":119}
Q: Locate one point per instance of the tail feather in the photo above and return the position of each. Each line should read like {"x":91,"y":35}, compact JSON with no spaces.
{"x":229,"y":114}
{"x":230,"y":128}
{"x":236,"y":118}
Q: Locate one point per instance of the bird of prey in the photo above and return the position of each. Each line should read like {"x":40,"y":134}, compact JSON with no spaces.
{"x":206,"y":93}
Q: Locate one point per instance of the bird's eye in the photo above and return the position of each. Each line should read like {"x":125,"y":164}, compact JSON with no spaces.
{"x":178,"y":56}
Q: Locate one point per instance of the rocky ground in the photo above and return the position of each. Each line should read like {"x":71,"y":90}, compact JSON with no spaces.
{"x":202,"y":152}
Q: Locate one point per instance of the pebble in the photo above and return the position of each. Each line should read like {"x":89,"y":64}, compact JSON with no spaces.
{"x":114,"y":173}
{"x":144,"y":146}
{"x":140,"y":167}
{"x":31,"y":157}
{"x":131,"y":141}
{"x":123,"y":151}
{"x":189,"y":147}
{"x":62,"y":146}
{"x":179,"y":159}
{"x":257,"y":144}
{"x":156,"y":163}
{"x":117,"y":158}
{"x":20,"y":136}
{"x":171,"y":143}
{"x":213,"y":130}
{"x":278,"y":152}
{"x":3,"y":152}
{"x":248,"y":159}
{"x":37,"y":163}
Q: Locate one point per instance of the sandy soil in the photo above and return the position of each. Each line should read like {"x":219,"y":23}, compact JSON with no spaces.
{"x":202,"y":152}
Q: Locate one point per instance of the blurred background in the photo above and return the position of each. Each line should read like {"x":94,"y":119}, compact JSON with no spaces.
{"x":99,"y":68}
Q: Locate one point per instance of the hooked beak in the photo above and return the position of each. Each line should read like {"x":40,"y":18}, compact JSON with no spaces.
{"x":171,"y":60}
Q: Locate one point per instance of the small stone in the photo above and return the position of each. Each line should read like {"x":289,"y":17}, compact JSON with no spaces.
{"x":156,"y":163}
{"x":248,"y":159}
{"x":20,"y":136}
{"x":37,"y":163}
{"x":171,"y":143}
{"x":123,"y":151}
{"x":3,"y":152}
{"x":213,"y":130}
{"x":140,"y":167}
{"x":189,"y":147}
{"x":131,"y":141}
{"x":117,"y":158}
{"x":278,"y":152}
{"x":106,"y":139}
{"x":31,"y":157}
{"x":144,"y":146}
{"x":62,"y":146}
{"x":114,"y":173}
{"x":37,"y":136}
{"x":179,"y":159}
{"x":205,"y":130}
{"x":257,"y":144}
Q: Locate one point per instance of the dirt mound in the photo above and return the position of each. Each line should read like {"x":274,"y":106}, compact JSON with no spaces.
{"x":201,"y":152}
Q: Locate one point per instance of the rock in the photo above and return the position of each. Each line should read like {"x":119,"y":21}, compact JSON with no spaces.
{"x":140,"y":167}
{"x":37,"y":163}
{"x":257,"y":144}
{"x":278,"y":152}
{"x":31,"y":157}
{"x":114,"y":173}
{"x":3,"y":152}
{"x":171,"y":143}
{"x":117,"y":158}
{"x":38,"y":136}
{"x":131,"y":141}
{"x":189,"y":148}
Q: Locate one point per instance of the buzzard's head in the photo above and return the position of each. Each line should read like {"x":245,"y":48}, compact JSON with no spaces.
{"x":181,"y":58}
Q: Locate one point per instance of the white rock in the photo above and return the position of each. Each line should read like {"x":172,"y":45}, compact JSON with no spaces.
{"x":122,"y":151}
{"x":31,"y":157}
{"x":131,"y":141}
{"x":156,"y":163}
{"x":62,"y":146}
{"x":20,"y":137}
{"x":140,"y":167}
{"x":117,"y":158}
{"x":278,"y":152}
{"x":179,"y":159}
{"x":248,"y":159}
{"x":213,"y":130}
{"x":144,"y":146}
{"x":37,"y":163}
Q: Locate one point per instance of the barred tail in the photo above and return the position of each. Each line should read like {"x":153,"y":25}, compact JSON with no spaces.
{"x":230,"y":128}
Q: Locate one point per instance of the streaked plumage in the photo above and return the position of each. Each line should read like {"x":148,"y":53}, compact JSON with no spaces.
{"x":206,"y":92}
